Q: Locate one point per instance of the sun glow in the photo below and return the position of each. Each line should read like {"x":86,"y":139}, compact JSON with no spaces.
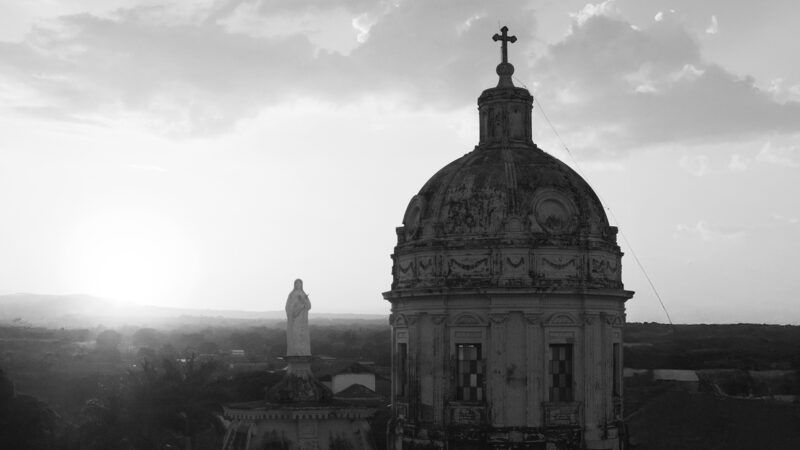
{"x":130,"y":256}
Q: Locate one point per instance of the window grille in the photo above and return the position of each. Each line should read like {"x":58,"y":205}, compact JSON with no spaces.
{"x":561,"y":371}
{"x":469,"y":373}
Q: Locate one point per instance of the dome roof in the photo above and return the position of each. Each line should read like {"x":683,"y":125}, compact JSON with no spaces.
{"x":514,"y":191}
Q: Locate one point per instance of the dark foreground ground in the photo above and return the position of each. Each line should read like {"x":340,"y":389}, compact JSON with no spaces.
{"x":679,"y":420}
{"x":162,"y":388}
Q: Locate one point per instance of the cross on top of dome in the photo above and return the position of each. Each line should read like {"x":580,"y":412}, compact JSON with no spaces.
{"x":504,"y":69}
{"x":505,"y":38}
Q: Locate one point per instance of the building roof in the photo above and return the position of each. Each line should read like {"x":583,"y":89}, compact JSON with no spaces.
{"x":357,"y":391}
{"x":358,"y":394}
{"x":326,"y":371}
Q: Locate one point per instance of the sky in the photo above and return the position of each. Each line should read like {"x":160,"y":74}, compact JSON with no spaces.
{"x":207,"y":153}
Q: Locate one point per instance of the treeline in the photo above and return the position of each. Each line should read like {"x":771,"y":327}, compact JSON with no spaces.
{"x":354,"y":341}
{"x":348,"y":339}
{"x":145,"y":387}
{"x":648,"y":345}
{"x":156,"y":406}
{"x":163,"y":388}
{"x":697,"y":347}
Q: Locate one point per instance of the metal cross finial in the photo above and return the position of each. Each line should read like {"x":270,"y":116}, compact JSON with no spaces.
{"x":506,"y":39}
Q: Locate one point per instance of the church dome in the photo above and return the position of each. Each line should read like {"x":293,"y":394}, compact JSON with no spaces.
{"x":512,"y":192}
{"x":506,"y":214}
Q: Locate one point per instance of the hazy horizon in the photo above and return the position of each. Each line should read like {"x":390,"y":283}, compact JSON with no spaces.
{"x":119,"y":314}
{"x":205,"y":154}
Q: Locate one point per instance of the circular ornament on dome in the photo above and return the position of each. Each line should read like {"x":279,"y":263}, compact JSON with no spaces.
{"x":411,"y":221}
{"x":554,"y":212}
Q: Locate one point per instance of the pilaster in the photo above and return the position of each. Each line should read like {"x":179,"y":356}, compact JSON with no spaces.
{"x":441,"y":375}
{"x":593,"y":375}
{"x":413,"y":366}
{"x":497,"y":361}
{"x":535,"y":369}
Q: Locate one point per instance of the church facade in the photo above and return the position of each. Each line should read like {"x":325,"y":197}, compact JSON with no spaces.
{"x":507,"y":299}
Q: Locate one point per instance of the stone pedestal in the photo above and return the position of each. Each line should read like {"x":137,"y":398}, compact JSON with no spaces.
{"x":299,"y":384}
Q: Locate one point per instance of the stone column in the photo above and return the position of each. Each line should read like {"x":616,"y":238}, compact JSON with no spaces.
{"x":593,"y":376}
{"x":441,"y":361}
{"x":606,"y":410}
{"x":413,"y":369}
{"x":516,"y":375}
{"x":535,"y":368}
{"x":426,"y":367}
{"x":393,"y":380}
{"x":496,"y":360}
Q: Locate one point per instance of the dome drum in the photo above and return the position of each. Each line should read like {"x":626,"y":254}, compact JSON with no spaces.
{"x":523,"y":267}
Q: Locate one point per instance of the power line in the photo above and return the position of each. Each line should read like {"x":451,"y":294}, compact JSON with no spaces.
{"x":608,"y":208}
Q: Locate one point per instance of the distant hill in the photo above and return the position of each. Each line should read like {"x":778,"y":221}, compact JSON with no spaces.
{"x":79,"y":310}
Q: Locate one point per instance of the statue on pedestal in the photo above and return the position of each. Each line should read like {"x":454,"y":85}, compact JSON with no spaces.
{"x":298,"y":412}
{"x":299,"y":384}
{"x":298,"y":341}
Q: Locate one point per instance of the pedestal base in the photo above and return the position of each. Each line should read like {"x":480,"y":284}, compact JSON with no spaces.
{"x":299,"y":384}
{"x":299,"y":365}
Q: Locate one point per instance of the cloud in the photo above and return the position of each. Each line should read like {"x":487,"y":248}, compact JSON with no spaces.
{"x":708,"y":232}
{"x":738,"y":163}
{"x":199,"y":75}
{"x":713,"y":27}
{"x":604,"y":166}
{"x":782,"y":156}
{"x":186,"y":69}
{"x":785,"y":220}
{"x":696,"y":165}
{"x":781,"y":91}
{"x":605,"y":8}
{"x":649,"y":87}
{"x":201,"y":71}
{"x":147,"y":168}
{"x":363,"y":24}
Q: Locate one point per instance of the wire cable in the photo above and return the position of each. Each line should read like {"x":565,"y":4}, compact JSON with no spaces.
{"x":611,"y":212}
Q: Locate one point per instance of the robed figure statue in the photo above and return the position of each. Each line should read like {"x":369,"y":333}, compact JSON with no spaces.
{"x":298,"y":341}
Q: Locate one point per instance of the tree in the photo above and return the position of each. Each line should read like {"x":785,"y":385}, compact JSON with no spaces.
{"x":107,"y":345}
{"x":147,"y":337}
{"x":208,"y":348}
{"x":108,"y":340}
{"x":26,"y":422}
{"x":156,"y":407}
{"x":146,"y":354}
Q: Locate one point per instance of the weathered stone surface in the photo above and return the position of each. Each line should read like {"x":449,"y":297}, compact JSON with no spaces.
{"x":506,"y":217}
{"x":299,"y":384}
